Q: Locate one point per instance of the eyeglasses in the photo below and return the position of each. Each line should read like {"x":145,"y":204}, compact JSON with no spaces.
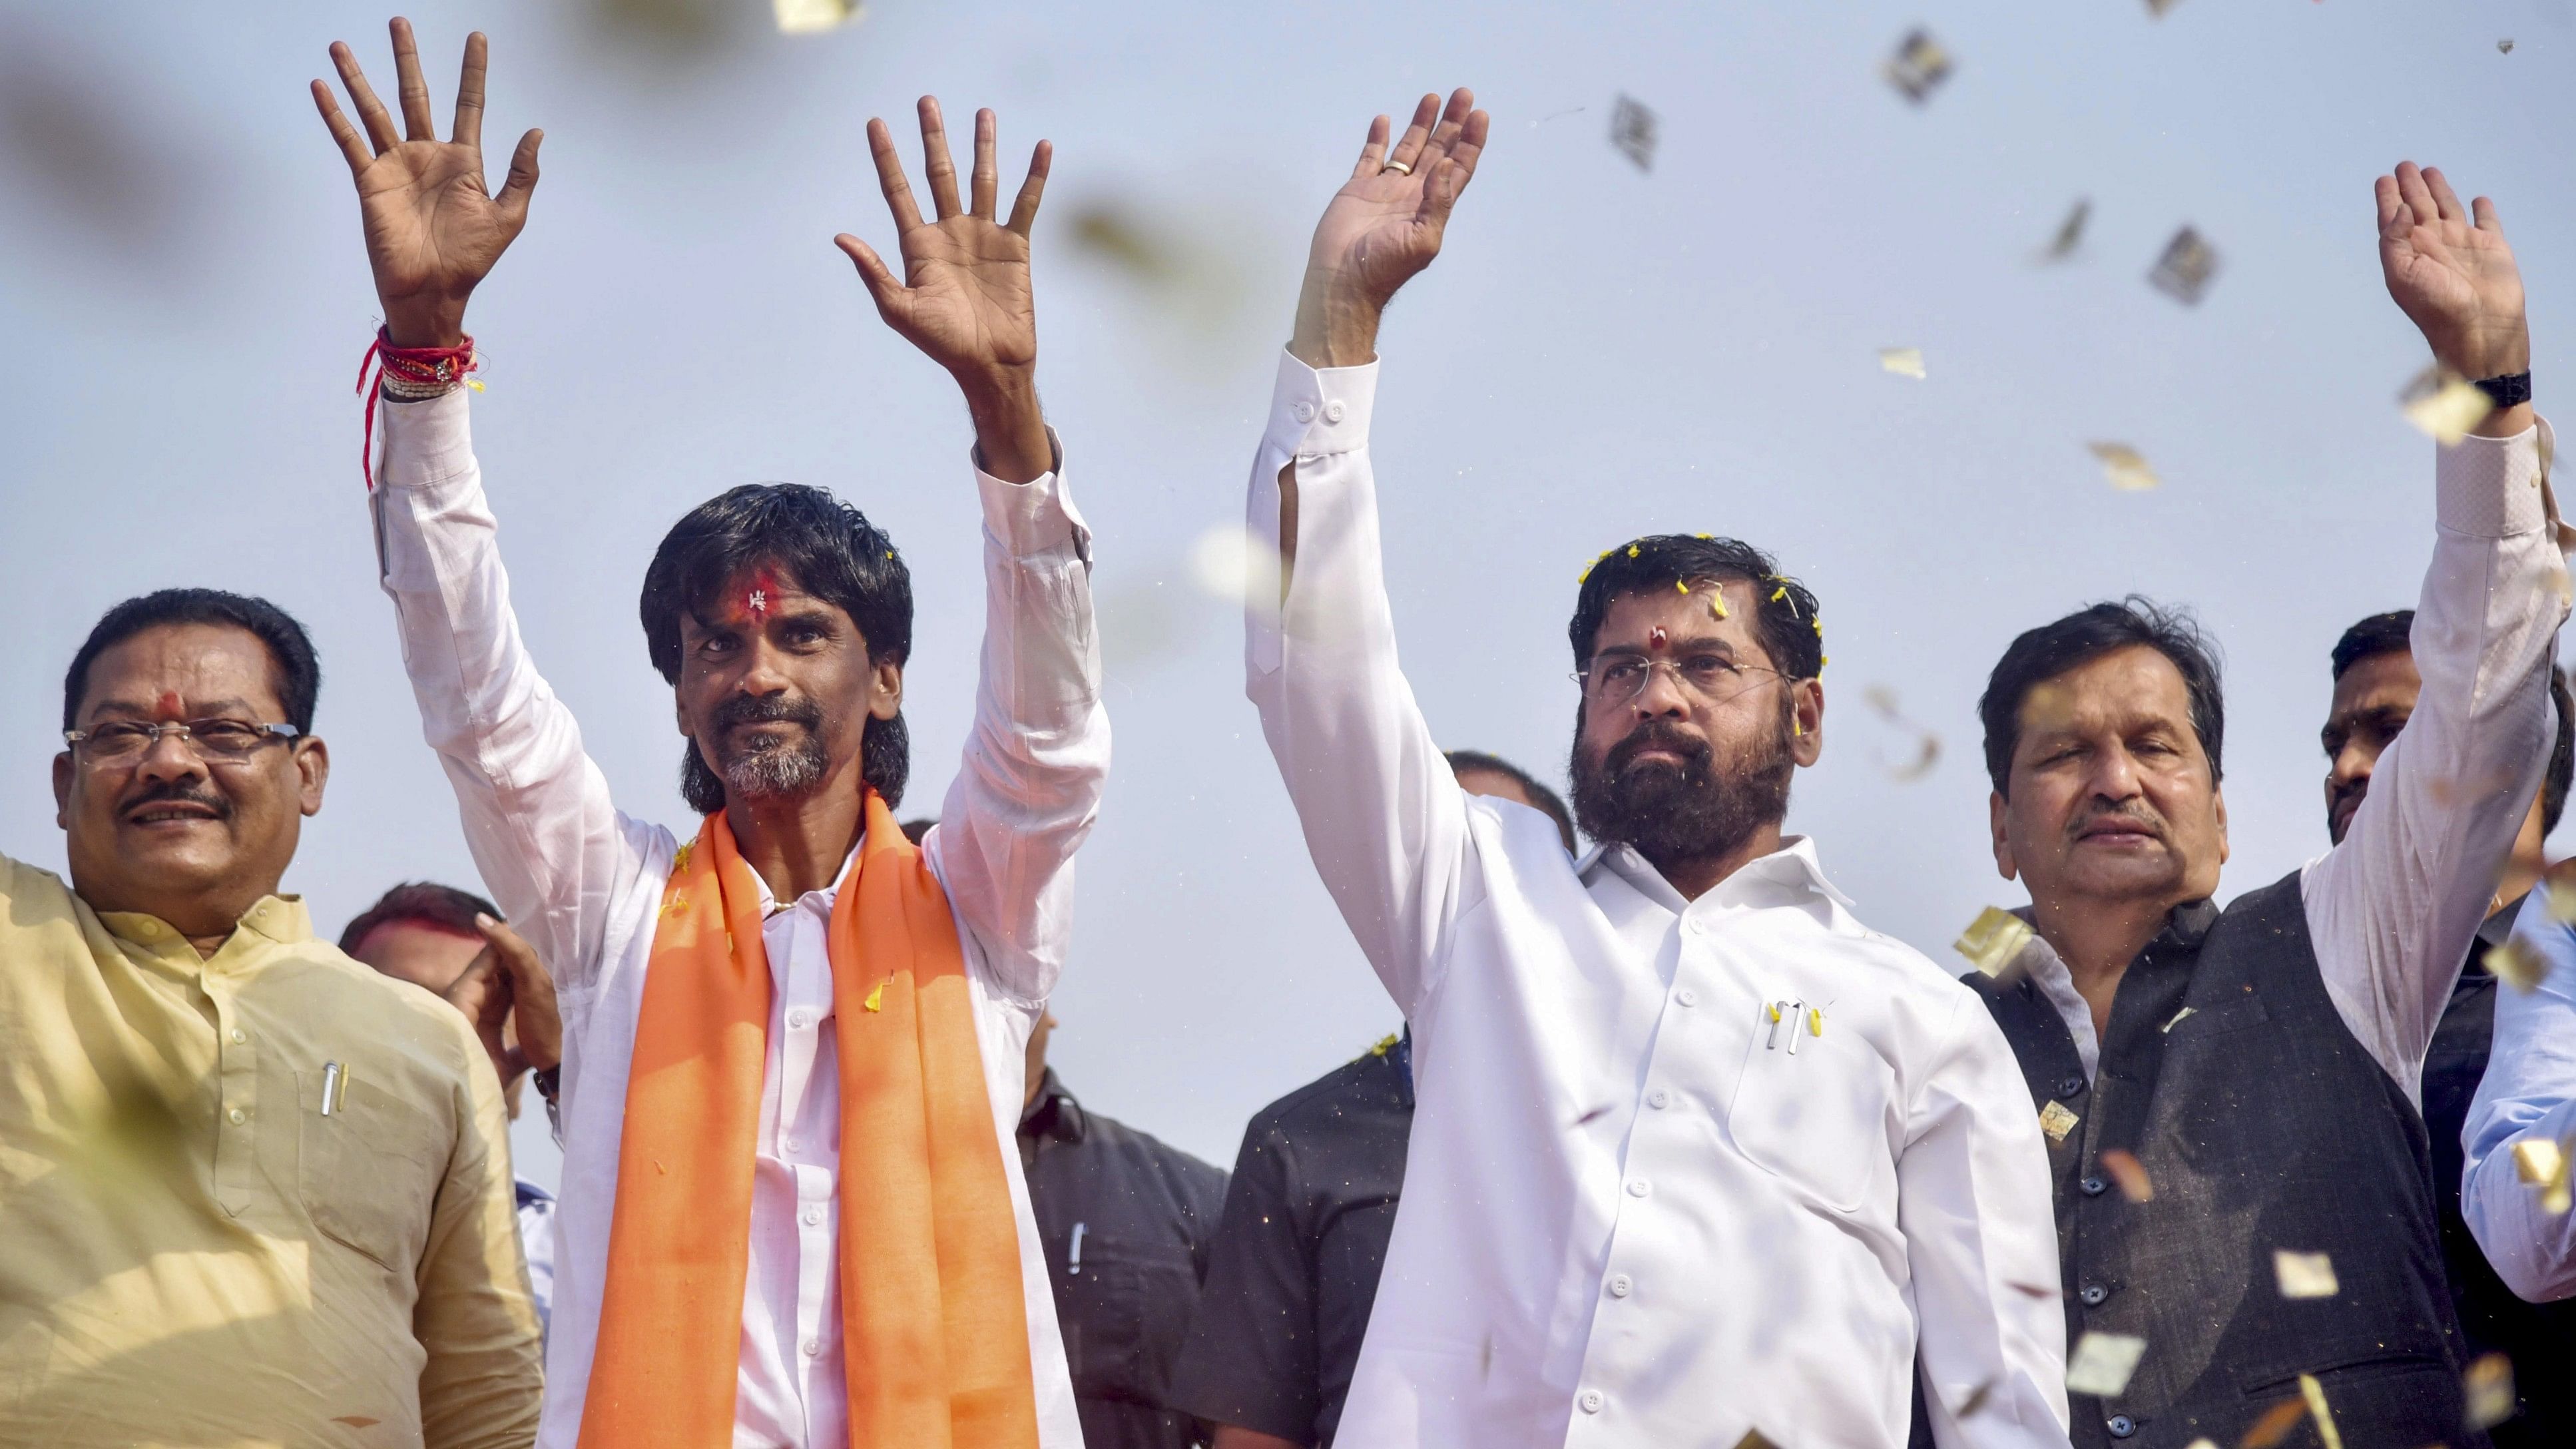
{"x":1619,"y":678}
{"x":215,"y":741}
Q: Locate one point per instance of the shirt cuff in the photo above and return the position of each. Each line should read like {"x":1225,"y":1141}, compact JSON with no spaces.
{"x":2490,"y":487}
{"x":1320,"y":410}
{"x":1030,"y":518}
{"x":427,"y":442}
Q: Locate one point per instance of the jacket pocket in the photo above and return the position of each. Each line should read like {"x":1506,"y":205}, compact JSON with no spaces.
{"x":364,"y":1172}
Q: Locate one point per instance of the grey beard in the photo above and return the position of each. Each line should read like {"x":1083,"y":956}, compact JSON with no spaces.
{"x":778,"y":770}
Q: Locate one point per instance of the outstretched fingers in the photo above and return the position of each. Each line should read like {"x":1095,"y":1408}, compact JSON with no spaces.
{"x":2488,"y":221}
{"x":1453,"y":123}
{"x":1408,"y":147}
{"x":987,"y":177}
{"x":890,"y":178}
{"x":468,"y":130}
{"x":1024,"y":211}
{"x":353,"y":147}
{"x":2444,"y":197}
{"x":937,"y":166}
{"x":418,"y":123}
{"x":2395,"y":219}
{"x":1372,"y":151}
{"x":513,"y":197}
{"x":380,"y":126}
{"x":2417,"y":196}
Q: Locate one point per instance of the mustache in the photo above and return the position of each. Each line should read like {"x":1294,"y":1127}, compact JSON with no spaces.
{"x":2147,"y":819}
{"x":1655,"y":734}
{"x":745,"y":709}
{"x":179,"y":792}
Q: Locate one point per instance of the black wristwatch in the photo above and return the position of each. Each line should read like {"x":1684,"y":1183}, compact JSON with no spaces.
{"x":2505,"y":392}
{"x":548,"y":1082}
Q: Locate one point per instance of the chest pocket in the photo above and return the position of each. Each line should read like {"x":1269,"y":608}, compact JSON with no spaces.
{"x":365,"y":1172}
{"x":1123,"y":1315}
{"x":1815,"y":1116}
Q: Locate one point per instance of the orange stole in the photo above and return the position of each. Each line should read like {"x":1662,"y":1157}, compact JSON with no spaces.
{"x":934,"y":1330}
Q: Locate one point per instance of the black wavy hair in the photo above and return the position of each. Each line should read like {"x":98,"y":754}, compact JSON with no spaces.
{"x":2042,"y":654}
{"x":1785,"y":617}
{"x":296,"y":671}
{"x":832,"y":552}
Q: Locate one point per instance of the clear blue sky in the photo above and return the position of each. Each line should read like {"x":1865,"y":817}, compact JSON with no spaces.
{"x":1601,"y":354}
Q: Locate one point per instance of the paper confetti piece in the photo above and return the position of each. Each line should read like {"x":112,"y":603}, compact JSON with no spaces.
{"x":2204,"y":1442}
{"x":2444,"y":405}
{"x":1635,"y":132}
{"x":1919,"y":66}
{"x":2156,"y":8}
{"x":1992,"y":940}
{"x":1927,"y":746}
{"x":678,"y":903}
{"x":813,"y":17}
{"x":1717,"y":601}
{"x":680,"y":860}
{"x":2178,"y":1016}
{"x":1755,"y":1439}
{"x":1228,"y":563}
{"x":2070,"y":232}
{"x":876,"y":997}
{"x":1903,"y":361}
{"x":2102,"y":1363}
{"x":2184,"y":271}
{"x":2546,"y":1165}
{"x":2489,"y":1383}
{"x":357,"y":1421}
{"x":1976,"y":1399}
{"x":2124,"y":467}
{"x":2518,"y":964}
{"x":2504,"y":47}
{"x":2274,"y":1426}
{"x":2315,"y":1394}
{"x":2129,"y":1173}
{"x":2561,"y":902}
{"x":2056,"y":1121}
{"x":2304,"y":1275}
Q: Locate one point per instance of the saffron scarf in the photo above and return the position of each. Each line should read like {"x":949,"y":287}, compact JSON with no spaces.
{"x":934,"y":1328}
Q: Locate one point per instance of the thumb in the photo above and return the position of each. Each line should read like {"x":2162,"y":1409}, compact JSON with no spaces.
{"x":513,"y":197}
{"x":879,"y":278}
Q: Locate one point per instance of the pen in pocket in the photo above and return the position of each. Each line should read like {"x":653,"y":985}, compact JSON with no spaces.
{"x":332,"y":1078}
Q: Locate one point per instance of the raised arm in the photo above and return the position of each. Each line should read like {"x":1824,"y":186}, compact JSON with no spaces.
{"x":537,"y":813}
{"x":1038,"y":755}
{"x":2393,"y":908}
{"x":1384,"y":819}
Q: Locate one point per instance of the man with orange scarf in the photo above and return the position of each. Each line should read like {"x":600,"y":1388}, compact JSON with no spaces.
{"x":792,"y":1213}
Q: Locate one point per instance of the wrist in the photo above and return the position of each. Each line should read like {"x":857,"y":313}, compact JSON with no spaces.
{"x":413,"y":323}
{"x":1336,"y":325}
{"x":1011,"y":440}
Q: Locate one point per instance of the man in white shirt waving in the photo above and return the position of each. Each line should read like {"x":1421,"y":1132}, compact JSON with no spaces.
{"x":1695,"y":1154}
{"x":793,"y":1213}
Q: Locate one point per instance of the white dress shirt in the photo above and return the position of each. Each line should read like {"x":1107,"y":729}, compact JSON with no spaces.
{"x":1637,"y":1210}
{"x":583,"y":881}
{"x":2529,"y":1092}
{"x":2392,"y":909}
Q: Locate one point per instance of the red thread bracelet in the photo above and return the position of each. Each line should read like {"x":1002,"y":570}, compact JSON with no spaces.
{"x":419,"y":366}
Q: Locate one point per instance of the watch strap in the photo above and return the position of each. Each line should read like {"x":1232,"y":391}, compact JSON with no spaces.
{"x":2509,"y":391}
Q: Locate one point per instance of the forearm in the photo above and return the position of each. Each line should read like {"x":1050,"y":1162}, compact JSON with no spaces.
{"x":1011,"y":438}
{"x":2527,"y":1095}
{"x":1336,"y":324}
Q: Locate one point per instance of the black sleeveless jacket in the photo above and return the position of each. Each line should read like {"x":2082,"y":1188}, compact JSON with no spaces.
{"x":2263,"y":1125}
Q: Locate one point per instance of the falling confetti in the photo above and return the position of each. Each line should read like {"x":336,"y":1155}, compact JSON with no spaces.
{"x":2518,"y":964}
{"x":1755,"y":1439}
{"x":2184,"y":271}
{"x":2489,"y":1382}
{"x":2056,"y":1121}
{"x":2102,"y":1363}
{"x":1992,"y":940}
{"x":2504,"y":47}
{"x":2544,"y":1164}
{"x":2124,"y":467}
{"x":2274,"y":1426}
{"x":2561,"y":901}
{"x":2178,"y":1016}
{"x":2156,"y":8}
{"x":2304,"y":1275}
{"x":2129,"y":1173}
{"x":2444,"y":405}
{"x":876,"y":998}
{"x":2315,"y":1394}
{"x":1230,"y":564}
{"x":1927,"y":747}
{"x":1635,"y":132}
{"x":2070,"y":232}
{"x":1919,"y":66}
{"x":1903,"y":361}
{"x":813,"y":17}
{"x":1976,"y":1399}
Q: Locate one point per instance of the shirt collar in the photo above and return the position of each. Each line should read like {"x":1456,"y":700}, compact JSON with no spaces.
{"x":281,"y":919}
{"x":769,"y":901}
{"x":1790,"y":875}
{"x":1053,"y":1113}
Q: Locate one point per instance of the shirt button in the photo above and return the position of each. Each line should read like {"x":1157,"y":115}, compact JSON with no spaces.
{"x":813,"y":1348}
{"x":813,"y":1217}
{"x":1333,"y":411}
{"x":2121,"y":1426}
{"x":2093,"y":1295}
{"x":1303,"y":412}
{"x":237,"y":1116}
{"x":1620,"y":1285}
{"x":2093,"y":1186}
{"x":800,"y":1018}
{"x":2069,"y":1086}
{"x":240,"y":1036}
{"x":1591,"y":1400}
{"x":1695,"y":926}
{"x":1686,"y":997}
{"x":1659,"y":1099}
{"x":786,"y":1144}
{"x":1640,"y":1188}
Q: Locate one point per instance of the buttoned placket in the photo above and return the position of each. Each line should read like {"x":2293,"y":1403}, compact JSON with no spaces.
{"x":801,"y":972}
{"x":236,"y":1165}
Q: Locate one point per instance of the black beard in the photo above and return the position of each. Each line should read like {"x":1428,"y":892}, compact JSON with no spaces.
{"x":773,"y":767}
{"x":1672,"y":814}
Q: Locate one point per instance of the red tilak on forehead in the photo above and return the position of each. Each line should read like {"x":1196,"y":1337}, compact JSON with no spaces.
{"x":763,"y":592}
{"x":169,"y":705}
{"x":1656,"y":637}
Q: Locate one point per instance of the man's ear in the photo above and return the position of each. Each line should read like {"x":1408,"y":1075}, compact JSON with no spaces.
{"x":312,"y":770}
{"x":1996,"y":810}
{"x":1807,"y":709}
{"x":885,"y":689}
{"x":2218,"y":802}
{"x":63,"y":790}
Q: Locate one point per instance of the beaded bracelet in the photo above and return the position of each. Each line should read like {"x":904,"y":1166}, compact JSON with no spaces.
{"x":406,"y":374}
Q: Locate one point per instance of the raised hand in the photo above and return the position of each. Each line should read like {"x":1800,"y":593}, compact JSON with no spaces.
{"x":1384,"y":225}
{"x":964,"y":298}
{"x":433,"y":228}
{"x":2450,"y":271}
{"x":508,"y":984}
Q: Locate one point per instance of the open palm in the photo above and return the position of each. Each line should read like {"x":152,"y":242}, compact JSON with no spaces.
{"x":1386,"y":222}
{"x":433,"y":228}
{"x":2450,"y":270}
{"x":964,"y":298}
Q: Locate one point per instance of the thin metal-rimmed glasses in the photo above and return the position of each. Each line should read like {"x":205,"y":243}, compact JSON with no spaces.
{"x":215,"y":741}
{"x":1617,"y":677}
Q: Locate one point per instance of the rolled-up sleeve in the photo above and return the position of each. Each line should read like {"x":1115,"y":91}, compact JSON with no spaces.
{"x":2527,"y":1095}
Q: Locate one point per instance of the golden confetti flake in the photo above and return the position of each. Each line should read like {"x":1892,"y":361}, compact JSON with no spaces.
{"x":1992,"y":940}
{"x":2184,"y":271}
{"x":876,"y":997}
{"x":2131,"y":1174}
{"x":678,"y":903}
{"x":2178,"y":1016}
{"x":2070,"y":232}
{"x":2056,"y":1121}
{"x":1919,"y":66}
{"x":2315,"y":1394}
{"x":1717,"y":602}
{"x":1635,"y":132}
{"x":2124,"y":467}
{"x":2517,"y":963}
{"x":680,"y":861}
{"x":2546,"y":1165}
{"x":2102,"y":1363}
{"x":2489,"y":1383}
{"x":1230,"y":564}
{"x":813,"y":17}
{"x":1903,"y":361}
{"x":1384,"y":1045}
{"x":2203,"y":1442}
{"x":2274,"y":1426}
{"x":1755,"y":1439}
{"x":2560,"y":900}
{"x":2444,"y":405}
{"x":2504,"y":47}
{"x":2304,"y":1275}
